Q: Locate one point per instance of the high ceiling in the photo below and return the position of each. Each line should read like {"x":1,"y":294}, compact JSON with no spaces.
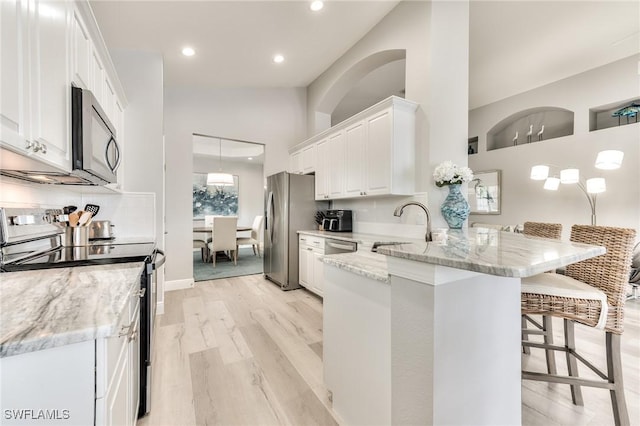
{"x":515,"y":45}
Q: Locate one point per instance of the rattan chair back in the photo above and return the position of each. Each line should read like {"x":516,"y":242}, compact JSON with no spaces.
{"x":543,"y":230}
{"x":608,"y":272}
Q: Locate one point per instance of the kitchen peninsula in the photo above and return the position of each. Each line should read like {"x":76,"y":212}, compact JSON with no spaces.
{"x":437,"y":341}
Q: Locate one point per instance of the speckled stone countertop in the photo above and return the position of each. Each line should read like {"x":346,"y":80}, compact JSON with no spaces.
{"x":370,"y":265}
{"x":53,"y":307}
{"x":493,"y":252}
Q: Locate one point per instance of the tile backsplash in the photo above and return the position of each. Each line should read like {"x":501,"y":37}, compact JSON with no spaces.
{"x":132,"y":214}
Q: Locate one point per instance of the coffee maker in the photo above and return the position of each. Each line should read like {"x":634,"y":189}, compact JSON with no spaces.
{"x":337,"y":221}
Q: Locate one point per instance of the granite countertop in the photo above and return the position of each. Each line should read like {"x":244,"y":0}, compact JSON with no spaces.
{"x":53,"y":307}
{"x":490,"y":251}
{"x":368,"y":264}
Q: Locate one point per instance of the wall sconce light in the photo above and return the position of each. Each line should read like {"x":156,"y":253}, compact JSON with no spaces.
{"x":605,"y":160}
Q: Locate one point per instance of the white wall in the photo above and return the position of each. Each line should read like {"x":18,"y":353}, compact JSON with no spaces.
{"x":141,"y":75}
{"x":250,"y":185}
{"x":274,"y":117}
{"x":14,"y":193}
{"x":524,"y":199}
{"x":435,"y":37}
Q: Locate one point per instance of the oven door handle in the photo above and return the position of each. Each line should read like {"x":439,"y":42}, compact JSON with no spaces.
{"x":158,"y":263}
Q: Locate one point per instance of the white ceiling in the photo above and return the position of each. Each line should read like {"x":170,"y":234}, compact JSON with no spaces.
{"x":515,"y":45}
{"x":235,"y":40}
{"x":228,"y":149}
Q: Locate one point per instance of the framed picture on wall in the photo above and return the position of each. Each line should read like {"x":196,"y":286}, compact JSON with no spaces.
{"x":212,"y":199}
{"x":484,"y":192}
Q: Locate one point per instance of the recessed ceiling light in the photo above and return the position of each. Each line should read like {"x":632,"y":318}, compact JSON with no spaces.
{"x":250,"y":158}
{"x":278,"y":59}
{"x":188,"y":51}
{"x":316,"y":5}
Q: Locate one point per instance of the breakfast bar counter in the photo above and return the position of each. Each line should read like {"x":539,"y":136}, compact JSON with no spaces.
{"x":439,"y":343}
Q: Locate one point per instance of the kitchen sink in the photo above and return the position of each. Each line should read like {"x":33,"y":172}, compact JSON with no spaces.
{"x":377,"y":244}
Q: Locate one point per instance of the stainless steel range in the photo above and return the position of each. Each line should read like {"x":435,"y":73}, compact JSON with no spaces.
{"x":32,"y":238}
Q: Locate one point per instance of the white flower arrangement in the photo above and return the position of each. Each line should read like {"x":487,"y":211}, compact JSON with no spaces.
{"x":448,"y":173}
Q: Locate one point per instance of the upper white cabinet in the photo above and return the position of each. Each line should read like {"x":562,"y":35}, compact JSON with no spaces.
{"x":295,"y":163}
{"x":35,"y":85}
{"x":303,"y":162}
{"x":354,"y":148}
{"x":14,"y":76}
{"x":46,"y":47}
{"x":49,"y":80}
{"x":322,"y":171}
{"x":335,"y":165}
{"x":369,"y":154}
{"x":81,"y":51}
{"x":309,"y":159}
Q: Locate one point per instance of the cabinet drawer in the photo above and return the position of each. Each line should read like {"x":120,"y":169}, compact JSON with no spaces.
{"x":311,"y":241}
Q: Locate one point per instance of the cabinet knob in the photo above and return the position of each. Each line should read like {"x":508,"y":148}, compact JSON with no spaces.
{"x":28,"y":145}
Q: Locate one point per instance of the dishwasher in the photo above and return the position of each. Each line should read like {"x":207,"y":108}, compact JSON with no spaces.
{"x":332,"y":246}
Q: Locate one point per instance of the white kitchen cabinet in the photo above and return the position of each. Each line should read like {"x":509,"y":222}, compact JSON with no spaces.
{"x":305,"y":266}
{"x":97,"y":81}
{"x":355,"y":140}
{"x":295,"y":163}
{"x":318,"y":273}
{"x":311,"y":267}
{"x":370,"y":154}
{"x":49,"y":81}
{"x":322,"y":170}
{"x":118,"y":370}
{"x":14,"y":77}
{"x":35,"y":80}
{"x":309,"y":159}
{"x":335,"y":164}
{"x":81,"y":51}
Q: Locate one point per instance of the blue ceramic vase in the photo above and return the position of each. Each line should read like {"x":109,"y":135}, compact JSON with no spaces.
{"x":455,"y":208}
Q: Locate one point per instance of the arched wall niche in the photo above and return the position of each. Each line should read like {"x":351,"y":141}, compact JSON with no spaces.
{"x":531,"y":125}
{"x":355,"y":73}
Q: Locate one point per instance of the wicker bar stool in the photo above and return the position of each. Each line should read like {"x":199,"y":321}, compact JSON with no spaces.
{"x":591,"y":293}
{"x":542,"y":230}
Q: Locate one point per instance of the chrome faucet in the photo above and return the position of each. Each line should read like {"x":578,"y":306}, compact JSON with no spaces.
{"x":398,"y":213}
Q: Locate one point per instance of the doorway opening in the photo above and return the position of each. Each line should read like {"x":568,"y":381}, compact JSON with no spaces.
{"x":228,"y":181}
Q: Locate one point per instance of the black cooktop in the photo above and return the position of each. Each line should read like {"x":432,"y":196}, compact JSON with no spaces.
{"x":98,"y":253}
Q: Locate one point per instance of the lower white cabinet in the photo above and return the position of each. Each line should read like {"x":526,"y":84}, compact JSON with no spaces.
{"x":95,"y":382}
{"x":311,"y":267}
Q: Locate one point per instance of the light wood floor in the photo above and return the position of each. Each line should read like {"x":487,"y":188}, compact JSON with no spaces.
{"x":240,"y":351}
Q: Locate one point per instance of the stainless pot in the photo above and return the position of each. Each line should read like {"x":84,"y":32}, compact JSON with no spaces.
{"x":100,"y":230}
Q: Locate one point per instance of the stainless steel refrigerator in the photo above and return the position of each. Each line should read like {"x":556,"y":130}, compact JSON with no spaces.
{"x":291,"y":207}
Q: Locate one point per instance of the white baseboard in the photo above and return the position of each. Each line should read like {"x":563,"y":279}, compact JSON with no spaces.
{"x":160,"y":308}
{"x":178,"y":284}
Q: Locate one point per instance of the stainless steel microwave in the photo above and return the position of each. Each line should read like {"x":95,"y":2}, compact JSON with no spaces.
{"x":95,"y":151}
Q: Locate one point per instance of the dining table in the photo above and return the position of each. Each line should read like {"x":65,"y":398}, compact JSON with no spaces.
{"x":202,"y":228}
{"x":209,"y":229}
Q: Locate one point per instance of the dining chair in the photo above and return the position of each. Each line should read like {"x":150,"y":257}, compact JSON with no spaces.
{"x":254,"y":240}
{"x":592,"y":293}
{"x":202,"y":245}
{"x":224,"y":237}
{"x":541,"y":230}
